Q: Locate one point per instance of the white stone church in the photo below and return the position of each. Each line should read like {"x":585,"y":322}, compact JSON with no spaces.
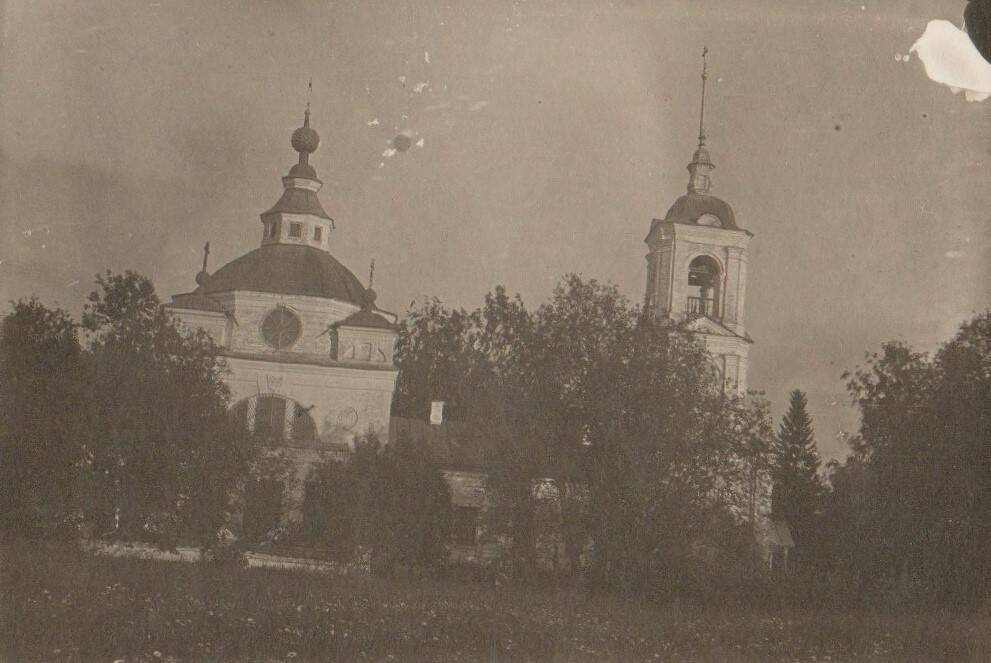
{"x":310,"y":355}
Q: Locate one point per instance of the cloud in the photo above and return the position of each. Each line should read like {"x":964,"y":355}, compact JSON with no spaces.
{"x":954,"y":254}
{"x":951,"y":59}
{"x":373,"y":123}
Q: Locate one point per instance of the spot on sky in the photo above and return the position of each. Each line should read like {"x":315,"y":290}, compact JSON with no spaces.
{"x":426,"y":57}
{"x":401,"y":143}
{"x":837,"y":127}
{"x":419,"y":143}
{"x":952,"y":60}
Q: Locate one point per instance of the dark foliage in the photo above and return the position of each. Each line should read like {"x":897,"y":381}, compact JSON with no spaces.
{"x":910,"y":511}
{"x":622,"y":414}
{"x":41,"y":446}
{"x":130,"y":434}
{"x":391,"y":501}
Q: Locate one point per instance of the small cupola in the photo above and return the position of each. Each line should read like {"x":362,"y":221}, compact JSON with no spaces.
{"x":298,"y":217}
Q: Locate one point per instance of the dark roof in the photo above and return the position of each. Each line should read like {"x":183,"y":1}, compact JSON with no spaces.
{"x":450,"y":444}
{"x":691,"y":206}
{"x":366,"y":318}
{"x":299,"y":201}
{"x":197,"y":301}
{"x":288,"y":269}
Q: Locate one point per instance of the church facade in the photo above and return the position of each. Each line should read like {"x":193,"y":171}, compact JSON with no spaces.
{"x":309,"y":354}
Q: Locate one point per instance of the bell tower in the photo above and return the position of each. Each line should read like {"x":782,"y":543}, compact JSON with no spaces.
{"x":697,"y":267}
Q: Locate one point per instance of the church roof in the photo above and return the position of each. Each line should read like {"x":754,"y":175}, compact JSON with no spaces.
{"x":692,"y":206}
{"x":288,"y":269}
{"x":450,"y":443}
{"x":197,"y":301}
{"x":366,"y":318}
{"x":299,"y":201}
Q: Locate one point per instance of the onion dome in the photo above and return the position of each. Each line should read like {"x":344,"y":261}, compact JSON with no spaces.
{"x":305,"y":139}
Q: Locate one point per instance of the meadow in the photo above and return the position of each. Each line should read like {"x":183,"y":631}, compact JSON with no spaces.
{"x":61,"y":604}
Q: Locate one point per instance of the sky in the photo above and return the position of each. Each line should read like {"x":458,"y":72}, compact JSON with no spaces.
{"x":544,"y":137}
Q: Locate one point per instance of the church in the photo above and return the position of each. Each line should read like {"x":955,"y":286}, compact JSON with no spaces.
{"x":309,"y":353}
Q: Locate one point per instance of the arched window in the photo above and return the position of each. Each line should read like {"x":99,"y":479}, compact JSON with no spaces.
{"x":276,"y":420}
{"x":703,"y":288}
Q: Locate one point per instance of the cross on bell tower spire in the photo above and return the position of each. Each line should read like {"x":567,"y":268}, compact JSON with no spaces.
{"x":699,"y":181}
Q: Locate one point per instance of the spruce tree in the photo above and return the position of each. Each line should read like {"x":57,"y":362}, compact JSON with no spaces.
{"x":797,"y":486}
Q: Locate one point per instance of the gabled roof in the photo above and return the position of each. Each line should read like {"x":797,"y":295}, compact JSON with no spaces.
{"x":706,"y":325}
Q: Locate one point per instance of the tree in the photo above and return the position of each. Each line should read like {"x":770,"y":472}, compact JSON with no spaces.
{"x":622,"y":414}
{"x":400,"y":505}
{"x":911,"y":509}
{"x":797,"y":486}
{"x":166,"y":455}
{"x":41,"y":448}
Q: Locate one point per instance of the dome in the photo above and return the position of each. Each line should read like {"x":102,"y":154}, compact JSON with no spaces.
{"x":692,"y":206}
{"x":701,"y":156}
{"x":305,"y":140}
{"x":289,"y":269}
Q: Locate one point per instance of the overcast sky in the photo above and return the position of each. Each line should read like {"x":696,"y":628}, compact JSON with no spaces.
{"x":552,"y":133}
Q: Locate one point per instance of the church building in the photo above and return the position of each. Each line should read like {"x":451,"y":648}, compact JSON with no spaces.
{"x":309,"y":354}
{"x":697,"y":268}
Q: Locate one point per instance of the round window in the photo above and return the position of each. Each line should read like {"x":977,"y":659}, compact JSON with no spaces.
{"x":281,"y":328}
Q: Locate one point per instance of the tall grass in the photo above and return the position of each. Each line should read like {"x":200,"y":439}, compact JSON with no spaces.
{"x":59,"y":604}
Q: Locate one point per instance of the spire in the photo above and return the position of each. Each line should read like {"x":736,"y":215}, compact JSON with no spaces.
{"x":701,"y":165}
{"x":705,"y":77}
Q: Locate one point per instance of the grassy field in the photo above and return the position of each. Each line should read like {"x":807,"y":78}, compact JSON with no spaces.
{"x":61,"y":605}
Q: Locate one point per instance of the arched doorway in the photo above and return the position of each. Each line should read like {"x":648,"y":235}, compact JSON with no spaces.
{"x":276,"y":420}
